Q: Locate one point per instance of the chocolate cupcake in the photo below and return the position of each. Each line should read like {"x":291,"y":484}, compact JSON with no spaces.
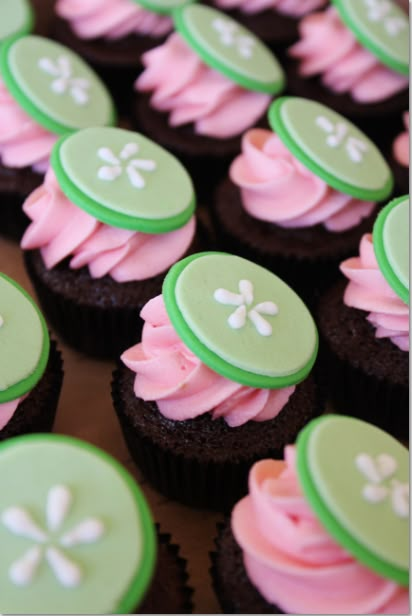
{"x":114,"y":213}
{"x":77,"y":535}
{"x":45,"y":90}
{"x":211,"y":80}
{"x":220,"y":379}
{"x":354,"y":57}
{"x":111,"y":35}
{"x":299,"y":199}
{"x":323,"y":532}
{"x":30,"y":365}
{"x":364,"y":329}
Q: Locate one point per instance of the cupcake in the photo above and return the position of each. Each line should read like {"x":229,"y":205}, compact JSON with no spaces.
{"x":30,"y":365}
{"x":364,"y":327}
{"x":45,"y":91}
{"x":354,"y":57}
{"x":220,"y":378}
{"x":77,"y":535}
{"x":112,"y":35}
{"x":400,"y":157}
{"x":298,"y":198}
{"x":273,"y":21}
{"x":115,"y":211}
{"x":210,"y":81}
{"x":324,"y":531}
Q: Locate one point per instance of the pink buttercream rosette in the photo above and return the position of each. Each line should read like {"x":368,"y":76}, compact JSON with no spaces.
{"x":183,"y":387}
{"x":329,"y":49}
{"x":369,"y":291}
{"x":291,"y":8}
{"x":277,"y":188}
{"x":401,"y":144}
{"x":192,"y":92}
{"x":292,"y":560}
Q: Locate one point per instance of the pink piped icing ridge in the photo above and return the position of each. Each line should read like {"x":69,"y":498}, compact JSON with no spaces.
{"x":292,"y":560}
{"x":61,"y":229}
{"x":194,"y":93}
{"x":277,"y":188}
{"x":23,"y":142}
{"x":183,"y":387}
{"x":401,"y":143}
{"x":292,"y":8}
{"x":368,"y":290}
{"x":112,"y":19}
{"x":7,"y":410}
{"x":329,"y":49}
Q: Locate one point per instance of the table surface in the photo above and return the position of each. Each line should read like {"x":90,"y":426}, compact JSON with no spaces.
{"x":85,"y":410}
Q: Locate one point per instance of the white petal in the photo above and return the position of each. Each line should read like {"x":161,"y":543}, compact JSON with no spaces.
{"x":59,"y":86}
{"x":81,"y":82}
{"x":246,"y":289}
{"x":48,"y":66}
{"x":66,"y":571}
{"x":19,"y":522}
{"x":374,"y":493}
{"x":262,"y":326}
{"x":366,"y":465}
{"x":79,"y":95}
{"x":140,"y":163}
{"x":400,"y":499}
{"x":386,"y":464}
{"x":128,"y":150}
{"x":88,"y":531}
{"x":64,"y":66}
{"x":324,"y":123}
{"x":22,"y":571}
{"x":135,"y":178}
{"x":107,"y":155}
{"x":238,"y":318}
{"x":109,"y":173}
{"x":227,"y":297}
{"x":267,"y":308}
{"x":59,"y":500}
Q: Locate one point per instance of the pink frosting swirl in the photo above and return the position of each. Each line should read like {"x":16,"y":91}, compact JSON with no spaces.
{"x":192,"y":92}
{"x":401,"y":144}
{"x":276,"y":187}
{"x":59,"y":229}
{"x":327,"y":47}
{"x":23,"y":143}
{"x":368,"y":290}
{"x":183,"y":387}
{"x":7,"y":410}
{"x":112,"y":19}
{"x":292,"y":560}
{"x":293,"y":8}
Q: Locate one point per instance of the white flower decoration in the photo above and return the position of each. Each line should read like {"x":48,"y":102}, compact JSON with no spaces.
{"x":379,"y":473}
{"x":64,"y":81}
{"x":229,"y":37}
{"x":379,"y":10}
{"x":49,"y":543}
{"x":338,"y":134}
{"x":244,"y":300}
{"x":110,"y":173}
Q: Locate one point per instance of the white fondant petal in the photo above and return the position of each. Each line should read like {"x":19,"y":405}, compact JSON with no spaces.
{"x":88,"y":531}
{"x":66,"y":571}
{"x":58,"y":504}
{"x":19,"y":522}
{"x":22,"y":571}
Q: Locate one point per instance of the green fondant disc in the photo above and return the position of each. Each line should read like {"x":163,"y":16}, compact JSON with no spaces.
{"x":356,"y":479}
{"x":241,"y":320}
{"x":124,"y":179}
{"x":331,"y":147}
{"x":89,"y":512}
{"x":163,"y":7}
{"x":391,"y":245}
{"x":228,"y":47}
{"x":382,"y":27}
{"x":16,"y":18}
{"x":54,"y":85}
{"x":24,"y":341}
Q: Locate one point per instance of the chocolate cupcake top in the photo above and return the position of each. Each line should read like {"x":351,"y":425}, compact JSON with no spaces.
{"x":75,"y":530}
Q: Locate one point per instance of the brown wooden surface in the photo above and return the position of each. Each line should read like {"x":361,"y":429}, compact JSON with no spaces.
{"x":85,"y":411}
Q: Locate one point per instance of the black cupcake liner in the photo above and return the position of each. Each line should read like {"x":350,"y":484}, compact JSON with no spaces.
{"x":363,"y":379}
{"x":168,"y":592}
{"x":234,"y":590}
{"x":15,"y":187}
{"x":202,"y":462}
{"x":37,"y":411}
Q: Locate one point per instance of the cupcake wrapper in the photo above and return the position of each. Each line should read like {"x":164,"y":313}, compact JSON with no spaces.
{"x":231,"y":590}
{"x":37,"y":411}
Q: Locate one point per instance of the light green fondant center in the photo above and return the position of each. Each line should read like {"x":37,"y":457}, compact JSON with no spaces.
{"x":21,"y":336}
{"x":332,"y":450}
{"x":396,"y":241}
{"x":59,"y":83}
{"x":335,"y":144}
{"x":15,"y":17}
{"x":98,"y":491}
{"x":293,"y":339}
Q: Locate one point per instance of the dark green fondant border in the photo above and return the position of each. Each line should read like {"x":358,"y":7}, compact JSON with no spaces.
{"x":211,"y":359}
{"x":25,"y":385}
{"x":276,"y":123}
{"x":329,"y":521}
